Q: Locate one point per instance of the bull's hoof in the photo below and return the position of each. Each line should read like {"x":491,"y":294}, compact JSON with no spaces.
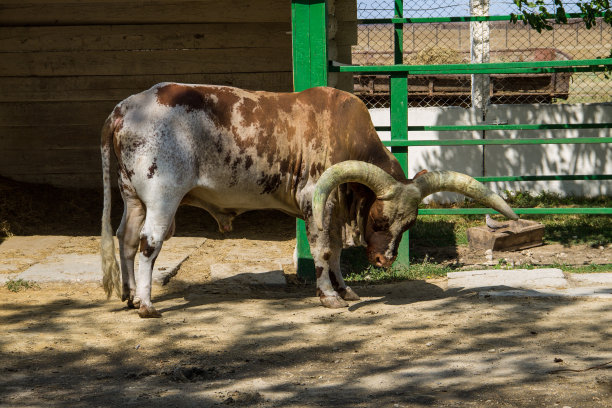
{"x":126,"y":293}
{"x":148,"y":311}
{"x":348,"y":294}
{"x":333,"y":302}
{"x":133,"y":303}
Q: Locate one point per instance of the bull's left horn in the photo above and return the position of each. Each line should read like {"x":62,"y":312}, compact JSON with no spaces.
{"x":350,"y":171}
{"x":436,"y":181}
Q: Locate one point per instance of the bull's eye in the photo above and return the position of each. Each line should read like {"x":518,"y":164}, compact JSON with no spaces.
{"x":380,"y":226}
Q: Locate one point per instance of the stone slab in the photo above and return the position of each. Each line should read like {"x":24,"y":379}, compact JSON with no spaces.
{"x":87,"y":267}
{"x":7,"y":277}
{"x":244,"y":274}
{"x":592,"y":278}
{"x":515,"y":278}
{"x":582,"y":292}
{"x":65,"y":268}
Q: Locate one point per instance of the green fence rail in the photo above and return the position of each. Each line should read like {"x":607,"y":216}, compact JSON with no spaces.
{"x":527,"y":67}
{"x":531,"y":211}
{"x":459,"y":19}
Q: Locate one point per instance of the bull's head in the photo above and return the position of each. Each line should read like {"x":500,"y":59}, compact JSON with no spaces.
{"x":396,"y":206}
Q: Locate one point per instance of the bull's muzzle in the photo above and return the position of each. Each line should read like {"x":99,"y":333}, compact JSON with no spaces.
{"x":380,"y":260}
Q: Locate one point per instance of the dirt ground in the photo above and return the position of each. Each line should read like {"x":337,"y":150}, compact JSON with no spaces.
{"x":407,"y":344}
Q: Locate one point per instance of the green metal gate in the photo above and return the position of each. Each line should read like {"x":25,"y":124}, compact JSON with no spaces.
{"x":310,"y":68}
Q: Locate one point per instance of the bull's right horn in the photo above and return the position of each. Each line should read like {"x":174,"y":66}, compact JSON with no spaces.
{"x":350,"y":171}
{"x":435,"y":181}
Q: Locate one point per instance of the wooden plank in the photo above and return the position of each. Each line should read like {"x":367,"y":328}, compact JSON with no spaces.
{"x":15,"y":138}
{"x":347,"y":33}
{"x":346,"y":10}
{"x":41,"y":161}
{"x":117,"y":88}
{"x":76,"y":180}
{"x":144,"y":37}
{"x":75,"y":12}
{"x":146,"y":62}
{"x":55,"y":113}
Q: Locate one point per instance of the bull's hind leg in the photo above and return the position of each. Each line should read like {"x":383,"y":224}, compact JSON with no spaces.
{"x":128,"y":235}
{"x":158,"y":225}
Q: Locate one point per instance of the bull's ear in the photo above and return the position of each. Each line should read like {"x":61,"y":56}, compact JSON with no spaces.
{"x":436,"y":181}
{"x":350,"y":171}
{"x":420,"y":173}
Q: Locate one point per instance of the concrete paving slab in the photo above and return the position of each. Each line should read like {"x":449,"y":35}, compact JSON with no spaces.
{"x":65,"y":268}
{"x":245,"y":274}
{"x":515,"y":278}
{"x":7,"y":277}
{"x":592,"y":278}
{"x":582,"y":292}
{"x":87,"y":267}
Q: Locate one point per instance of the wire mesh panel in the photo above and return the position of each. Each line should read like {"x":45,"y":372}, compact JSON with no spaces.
{"x":450,"y":43}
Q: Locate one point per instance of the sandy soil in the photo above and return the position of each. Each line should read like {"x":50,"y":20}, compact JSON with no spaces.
{"x":407,"y":344}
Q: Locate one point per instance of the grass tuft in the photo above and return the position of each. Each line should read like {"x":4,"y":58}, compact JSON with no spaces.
{"x":20,"y":284}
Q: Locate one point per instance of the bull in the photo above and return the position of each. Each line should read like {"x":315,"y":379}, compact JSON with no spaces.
{"x":314,"y":155}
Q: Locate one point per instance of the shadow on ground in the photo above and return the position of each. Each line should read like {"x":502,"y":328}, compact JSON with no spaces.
{"x":410,"y":343}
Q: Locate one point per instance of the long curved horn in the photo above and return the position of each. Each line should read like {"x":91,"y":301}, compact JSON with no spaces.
{"x":350,"y":171}
{"x":435,"y":181}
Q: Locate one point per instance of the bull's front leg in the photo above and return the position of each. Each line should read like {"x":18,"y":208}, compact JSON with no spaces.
{"x":326,"y":249}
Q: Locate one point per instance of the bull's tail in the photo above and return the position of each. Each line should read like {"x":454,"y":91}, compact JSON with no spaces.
{"x":110,"y":267}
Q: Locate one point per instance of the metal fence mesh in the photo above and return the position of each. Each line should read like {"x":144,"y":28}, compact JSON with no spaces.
{"x":439,"y":43}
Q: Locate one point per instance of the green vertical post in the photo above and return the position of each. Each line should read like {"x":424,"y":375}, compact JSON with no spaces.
{"x":399,"y":114}
{"x":309,"y":70}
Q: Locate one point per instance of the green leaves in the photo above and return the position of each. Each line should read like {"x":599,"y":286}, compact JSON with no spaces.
{"x":537,"y":15}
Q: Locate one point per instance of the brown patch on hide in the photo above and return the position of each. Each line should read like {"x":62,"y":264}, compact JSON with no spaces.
{"x":269,"y":182}
{"x":217,"y":102}
{"x":152,"y":169}
{"x":326,"y":256}
{"x":319,"y":271}
{"x":145,"y":248}
{"x":316,"y":169}
{"x":270,"y":115}
{"x":248,"y":162}
{"x":174,"y":95}
{"x":352,"y":134}
{"x":376,"y":218}
{"x":334,"y":281}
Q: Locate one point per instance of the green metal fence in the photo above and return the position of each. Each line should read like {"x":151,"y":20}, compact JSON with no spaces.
{"x":311,"y":68}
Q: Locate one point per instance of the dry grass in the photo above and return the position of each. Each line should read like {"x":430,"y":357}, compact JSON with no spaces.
{"x":436,"y":55}
{"x":578,"y":43}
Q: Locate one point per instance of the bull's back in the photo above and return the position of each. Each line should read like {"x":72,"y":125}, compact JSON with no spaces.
{"x":240,"y":147}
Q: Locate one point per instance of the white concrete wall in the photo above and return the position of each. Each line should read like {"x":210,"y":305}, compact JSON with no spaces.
{"x":513,"y":160}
